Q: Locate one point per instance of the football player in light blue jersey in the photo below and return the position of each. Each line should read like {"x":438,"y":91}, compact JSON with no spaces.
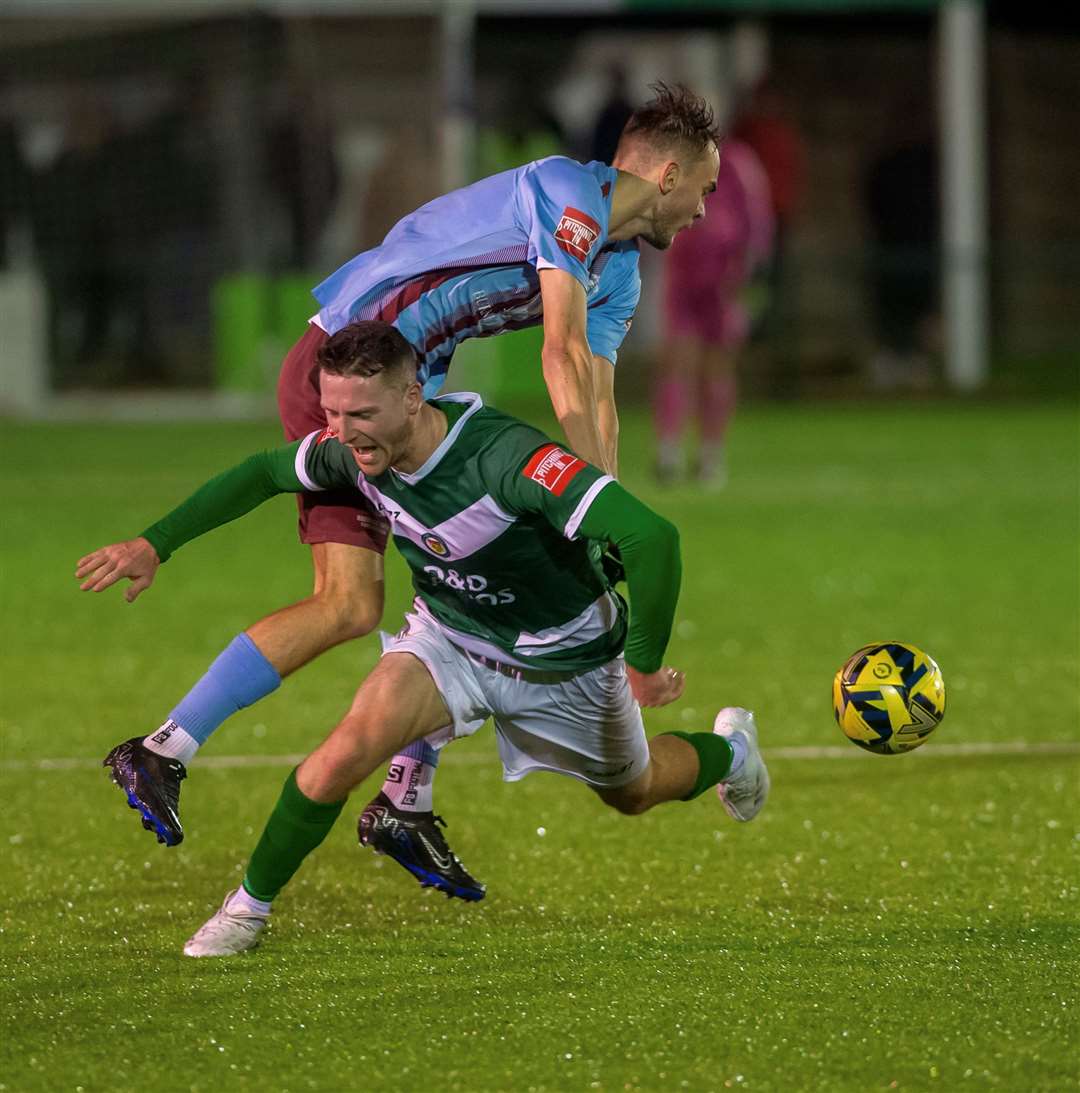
{"x":554,"y":242}
{"x":472,"y":264}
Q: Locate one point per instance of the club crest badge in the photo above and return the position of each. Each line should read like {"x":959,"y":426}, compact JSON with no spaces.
{"x":434,"y":545}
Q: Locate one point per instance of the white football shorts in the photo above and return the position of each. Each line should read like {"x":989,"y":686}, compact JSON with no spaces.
{"x":588,"y":726}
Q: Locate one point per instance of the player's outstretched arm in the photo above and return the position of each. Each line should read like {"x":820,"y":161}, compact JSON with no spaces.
{"x":224,"y":498}
{"x":569,"y":367}
{"x":649,"y":546}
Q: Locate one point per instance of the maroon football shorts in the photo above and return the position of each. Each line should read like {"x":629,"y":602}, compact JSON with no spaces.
{"x":326,"y":516}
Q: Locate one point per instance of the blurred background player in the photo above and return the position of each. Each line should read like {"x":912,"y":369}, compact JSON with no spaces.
{"x":903,"y":211}
{"x":554,"y":242}
{"x":706,"y":316}
{"x":615,"y":112}
{"x":767,"y":124}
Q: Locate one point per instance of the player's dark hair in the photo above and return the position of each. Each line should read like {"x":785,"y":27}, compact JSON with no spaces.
{"x":675,"y":118}
{"x":368,"y":347}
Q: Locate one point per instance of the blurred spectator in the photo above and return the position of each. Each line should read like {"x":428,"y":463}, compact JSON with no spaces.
{"x":902,"y":205}
{"x":113,"y":216}
{"x":613,"y":115}
{"x":13,"y":188}
{"x":71,"y":235}
{"x":764,"y":123}
{"x":706,"y":318}
{"x":173,"y":165}
{"x":303,"y":169}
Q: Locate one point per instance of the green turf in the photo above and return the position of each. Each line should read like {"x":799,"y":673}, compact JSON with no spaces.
{"x":900,"y":923}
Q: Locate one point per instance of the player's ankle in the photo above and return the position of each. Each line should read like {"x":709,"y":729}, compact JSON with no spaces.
{"x":410,"y":776}
{"x":242,"y":902}
{"x":715,"y":755}
{"x":173,"y":742}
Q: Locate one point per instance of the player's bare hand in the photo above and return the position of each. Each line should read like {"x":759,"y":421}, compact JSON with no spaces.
{"x":656,"y":688}
{"x":135,"y":559}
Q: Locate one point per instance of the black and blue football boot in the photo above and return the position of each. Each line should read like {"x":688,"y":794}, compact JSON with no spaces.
{"x":152,"y":785}
{"x":414,"y":841}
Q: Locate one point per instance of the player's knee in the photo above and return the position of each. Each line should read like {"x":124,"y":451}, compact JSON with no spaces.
{"x":632,"y":807}
{"x":630,"y":800}
{"x":357,"y":620}
{"x":324,"y":778}
{"x":350,"y":612}
{"x":348,"y":589}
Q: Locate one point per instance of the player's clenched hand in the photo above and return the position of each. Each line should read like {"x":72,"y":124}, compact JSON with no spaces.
{"x":656,"y":688}
{"x":136,"y":560}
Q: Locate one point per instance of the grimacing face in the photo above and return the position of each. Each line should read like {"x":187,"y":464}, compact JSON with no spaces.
{"x":684,"y":205}
{"x":372,"y":415}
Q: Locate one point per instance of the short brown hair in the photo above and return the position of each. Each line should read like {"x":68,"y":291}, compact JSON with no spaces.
{"x":368,"y":347}
{"x":675,"y":118}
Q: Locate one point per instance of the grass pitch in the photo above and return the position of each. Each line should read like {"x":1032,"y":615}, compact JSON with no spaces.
{"x":887,"y":923}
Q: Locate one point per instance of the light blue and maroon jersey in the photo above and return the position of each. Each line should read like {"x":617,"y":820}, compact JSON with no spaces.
{"x":466,"y":265}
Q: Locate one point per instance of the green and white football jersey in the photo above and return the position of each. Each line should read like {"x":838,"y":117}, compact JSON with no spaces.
{"x":489,"y":527}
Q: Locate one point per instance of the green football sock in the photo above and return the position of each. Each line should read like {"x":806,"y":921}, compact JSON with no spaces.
{"x":714,"y":759}
{"x":295,"y":828}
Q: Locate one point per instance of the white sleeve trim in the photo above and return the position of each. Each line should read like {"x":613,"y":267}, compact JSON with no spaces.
{"x":582,"y":278}
{"x":572,"y":525}
{"x":300,"y":463}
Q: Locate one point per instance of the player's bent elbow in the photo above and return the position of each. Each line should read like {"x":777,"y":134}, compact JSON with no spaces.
{"x":663,"y":541}
{"x":564,"y":357}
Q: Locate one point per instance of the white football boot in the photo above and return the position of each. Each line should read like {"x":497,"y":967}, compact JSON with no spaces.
{"x":226,"y":933}
{"x":743,"y":794}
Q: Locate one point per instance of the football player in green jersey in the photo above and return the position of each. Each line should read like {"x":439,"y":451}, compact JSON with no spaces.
{"x":514,"y":619}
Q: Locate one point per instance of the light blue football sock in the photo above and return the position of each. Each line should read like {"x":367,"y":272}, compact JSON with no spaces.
{"x":240,"y":676}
